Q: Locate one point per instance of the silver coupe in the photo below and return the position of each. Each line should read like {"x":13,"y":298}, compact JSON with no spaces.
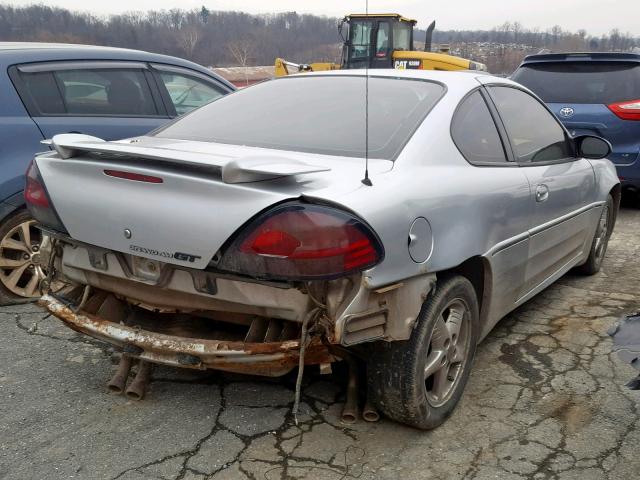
{"x":389,"y":218}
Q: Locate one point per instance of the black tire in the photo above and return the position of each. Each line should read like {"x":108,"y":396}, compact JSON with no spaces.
{"x":600,"y":240}
{"x":396,"y":370}
{"x":6,"y":227}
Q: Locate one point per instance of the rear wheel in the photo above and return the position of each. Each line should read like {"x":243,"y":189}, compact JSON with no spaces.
{"x":600,"y":240}
{"x":24,"y":253}
{"x":420,"y":381}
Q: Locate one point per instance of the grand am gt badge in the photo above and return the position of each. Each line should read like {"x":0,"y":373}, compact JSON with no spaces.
{"x":180,"y":256}
{"x":407,"y":64}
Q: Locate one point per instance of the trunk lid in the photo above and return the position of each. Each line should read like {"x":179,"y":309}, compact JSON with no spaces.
{"x":187,"y":218}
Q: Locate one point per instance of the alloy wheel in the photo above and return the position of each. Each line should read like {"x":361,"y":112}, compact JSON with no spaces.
{"x":24,"y":255}
{"x":448,"y":349}
{"x":602,"y":234}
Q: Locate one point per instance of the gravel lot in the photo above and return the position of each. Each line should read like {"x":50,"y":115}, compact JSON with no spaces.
{"x":545,"y":400}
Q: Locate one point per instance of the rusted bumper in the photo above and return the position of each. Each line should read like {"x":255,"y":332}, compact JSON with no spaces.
{"x":267,"y":359}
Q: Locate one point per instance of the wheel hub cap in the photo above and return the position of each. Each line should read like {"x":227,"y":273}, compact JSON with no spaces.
{"x":447,"y":352}
{"x":23,"y":251}
{"x":602,"y":233}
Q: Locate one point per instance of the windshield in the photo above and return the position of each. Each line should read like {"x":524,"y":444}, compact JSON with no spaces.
{"x":315,"y":114}
{"x":582,"y":82}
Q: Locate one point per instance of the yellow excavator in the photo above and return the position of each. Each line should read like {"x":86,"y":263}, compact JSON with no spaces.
{"x":382,"y":41}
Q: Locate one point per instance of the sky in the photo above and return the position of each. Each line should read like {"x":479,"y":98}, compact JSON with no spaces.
{"x":595,"y":16}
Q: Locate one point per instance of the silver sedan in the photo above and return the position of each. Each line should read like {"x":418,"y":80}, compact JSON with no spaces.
{"x":390,"y":219}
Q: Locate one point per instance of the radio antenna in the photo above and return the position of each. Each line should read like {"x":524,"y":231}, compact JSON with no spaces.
{"x":366,"y":180}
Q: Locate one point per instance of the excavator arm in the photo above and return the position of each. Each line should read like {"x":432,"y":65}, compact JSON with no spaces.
{"x":284,"y":68}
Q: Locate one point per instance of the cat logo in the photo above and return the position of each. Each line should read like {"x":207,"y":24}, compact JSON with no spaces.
{"x":407,"y":64}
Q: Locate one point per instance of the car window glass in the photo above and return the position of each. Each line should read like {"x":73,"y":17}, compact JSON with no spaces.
{"x":188,"y":93}
{"x":582,"y":82}
{"x":360,"y":39}
{"x":474,"y":132}
{"x":535,"y":134}
{"x":402,"y":36}
{"x":44,"y":93}
{"x":382,"y":43}
{"x":316,"y":114}
{"x":106,"y":92}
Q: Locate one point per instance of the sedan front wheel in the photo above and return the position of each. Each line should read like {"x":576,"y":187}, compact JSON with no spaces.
{"x":420,"y":381}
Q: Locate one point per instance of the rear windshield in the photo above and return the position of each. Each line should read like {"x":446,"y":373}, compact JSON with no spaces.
{"x":323,"y":114}
{"x":582,"y":82}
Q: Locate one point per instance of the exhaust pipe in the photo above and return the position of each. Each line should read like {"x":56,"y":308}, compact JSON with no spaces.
{"x":138,"y":387}
{"x":350,"y":410}
{"x":370,"y":414}
{"x":119,"y":380}
{"x":429,"y":36}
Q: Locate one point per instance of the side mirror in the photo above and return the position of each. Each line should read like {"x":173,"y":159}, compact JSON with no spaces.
{"x":592,"y":147}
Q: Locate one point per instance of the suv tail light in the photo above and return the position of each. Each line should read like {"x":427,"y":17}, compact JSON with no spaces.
{"x":37,"y":200}
{"x":626,"y":110}
{"x":303,"y":242}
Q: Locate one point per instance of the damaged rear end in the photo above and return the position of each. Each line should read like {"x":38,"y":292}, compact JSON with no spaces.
{"x":198,"y":266}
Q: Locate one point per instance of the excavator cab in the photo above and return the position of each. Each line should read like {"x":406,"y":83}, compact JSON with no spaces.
{"x":372,"y":39}
{"x":382,"y":41}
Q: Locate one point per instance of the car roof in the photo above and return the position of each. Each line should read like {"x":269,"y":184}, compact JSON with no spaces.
{"x":582,"y":57}
{"x":466,"y":78}
{"x":13,"y":53}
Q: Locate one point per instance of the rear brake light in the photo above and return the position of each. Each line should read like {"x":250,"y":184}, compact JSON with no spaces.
{"x":303,"y":242}
{"x":136,"y":177}
{"x":626,"y":110}
{"x":34,"y":194}
{"x":37,"y":200}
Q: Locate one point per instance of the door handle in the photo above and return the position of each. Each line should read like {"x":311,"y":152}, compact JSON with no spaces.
{"x":542,"y":193}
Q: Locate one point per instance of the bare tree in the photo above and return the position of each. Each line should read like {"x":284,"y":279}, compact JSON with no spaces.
{"x":188,"y":37}
{"x":243,"y":52}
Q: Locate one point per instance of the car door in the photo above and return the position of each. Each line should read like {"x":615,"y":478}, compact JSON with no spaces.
{"x":562,"y":186}
{"x":480,"y":138}
{"x":109,"y":100}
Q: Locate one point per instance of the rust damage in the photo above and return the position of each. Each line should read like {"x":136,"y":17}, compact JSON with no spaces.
{"x":268,"y":358}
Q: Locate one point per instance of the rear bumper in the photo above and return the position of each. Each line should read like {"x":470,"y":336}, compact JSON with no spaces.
{"x":629,"y":175}
{"x":267,"y":359}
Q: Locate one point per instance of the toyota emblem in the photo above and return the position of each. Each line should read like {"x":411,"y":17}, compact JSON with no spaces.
{"x":566,"y":112}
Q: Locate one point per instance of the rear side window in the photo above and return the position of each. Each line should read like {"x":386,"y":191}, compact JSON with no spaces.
{"x":402,"y":36}
{"x":582,"y":82}
{"x":99,"y":92}
{"x":44,"y":92}
{"x":474,"y":132}
{"x":322,"y":114}
{"x":534,"y":133}
{"x":106,"y":92}
{"x":188,"y":93}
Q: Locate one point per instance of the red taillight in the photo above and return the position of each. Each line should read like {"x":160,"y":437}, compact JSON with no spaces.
{"x":136,"y":177}
{"x":302,"y":242}
{"x":37,"y":200}
{"x":629,"y":110}
{"x":34,"y":193}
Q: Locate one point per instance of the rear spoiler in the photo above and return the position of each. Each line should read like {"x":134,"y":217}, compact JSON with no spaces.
{"x":234,"y":170}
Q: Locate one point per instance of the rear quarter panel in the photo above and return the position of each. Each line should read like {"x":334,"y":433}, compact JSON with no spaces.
{"x":606,"y":177}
